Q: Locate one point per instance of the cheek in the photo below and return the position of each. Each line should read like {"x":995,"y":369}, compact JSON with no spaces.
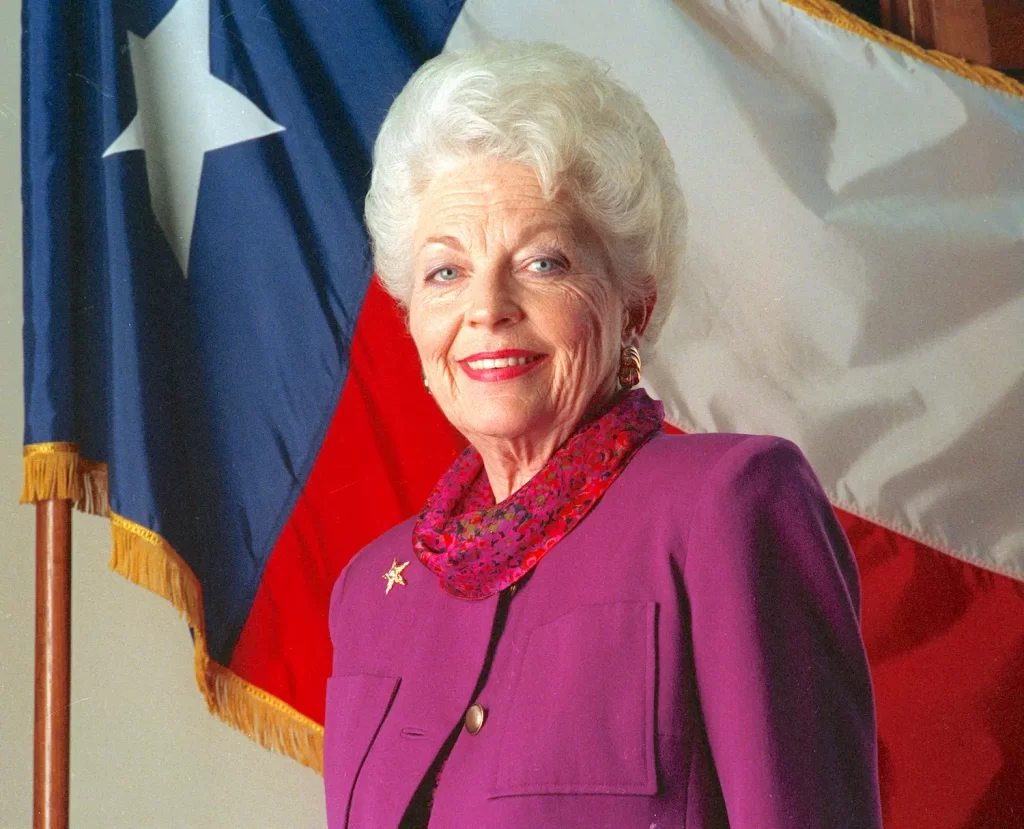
{"x":430,"y":332}
{"x":590,"y":323}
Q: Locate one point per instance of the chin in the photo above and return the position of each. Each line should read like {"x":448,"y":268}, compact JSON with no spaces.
{"x":502,"y":421}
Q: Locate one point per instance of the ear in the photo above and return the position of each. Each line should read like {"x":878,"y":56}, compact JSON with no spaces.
{"x":638,"y":318}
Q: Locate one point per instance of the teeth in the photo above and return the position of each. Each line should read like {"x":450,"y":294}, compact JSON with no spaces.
{"x":504,"y":362}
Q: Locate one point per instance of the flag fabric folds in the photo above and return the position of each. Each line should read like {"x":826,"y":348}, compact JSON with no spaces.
{"x":209,"y":362}
{"x":195,"y":265}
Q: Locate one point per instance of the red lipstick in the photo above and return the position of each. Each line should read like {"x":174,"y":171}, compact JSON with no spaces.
{"x":521,"y":363}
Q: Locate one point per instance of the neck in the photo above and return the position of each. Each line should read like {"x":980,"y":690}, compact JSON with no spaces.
{"x":509,"y":464}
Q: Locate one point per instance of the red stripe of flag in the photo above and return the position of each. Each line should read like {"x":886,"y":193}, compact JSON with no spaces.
{"x":384,"y":450}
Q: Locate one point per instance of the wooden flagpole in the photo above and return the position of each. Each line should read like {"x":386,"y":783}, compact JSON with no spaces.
{"x":53,"y":664}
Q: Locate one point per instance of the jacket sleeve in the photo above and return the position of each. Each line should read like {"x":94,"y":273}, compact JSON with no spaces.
{"x":781,"y":672}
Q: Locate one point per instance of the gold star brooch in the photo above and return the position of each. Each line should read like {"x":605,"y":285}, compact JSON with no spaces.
{"x":394,"y":575}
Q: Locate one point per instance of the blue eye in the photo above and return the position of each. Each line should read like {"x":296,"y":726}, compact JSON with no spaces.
{"x":444,"y":275}
{"x":544,"y":265}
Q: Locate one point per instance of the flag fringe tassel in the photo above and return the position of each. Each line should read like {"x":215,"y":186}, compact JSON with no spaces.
{"x":835,"y":14}
{"x":55,"y":470}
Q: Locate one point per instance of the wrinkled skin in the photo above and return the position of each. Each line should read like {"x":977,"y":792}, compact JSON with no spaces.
{"x":497,"y":266}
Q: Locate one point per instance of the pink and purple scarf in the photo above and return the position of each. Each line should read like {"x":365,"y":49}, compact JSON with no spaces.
{"x":478,"y":548}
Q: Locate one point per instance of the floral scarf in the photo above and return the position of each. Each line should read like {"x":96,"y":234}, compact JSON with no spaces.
{"x":478,"y":548}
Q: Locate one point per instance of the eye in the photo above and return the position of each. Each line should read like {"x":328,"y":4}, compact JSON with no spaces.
{"x":445,"y":274}
{"x":545,"y":264}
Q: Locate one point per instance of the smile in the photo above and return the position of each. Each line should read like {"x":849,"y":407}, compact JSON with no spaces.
{"x":500,"y":365}
{"x":502,"y":362}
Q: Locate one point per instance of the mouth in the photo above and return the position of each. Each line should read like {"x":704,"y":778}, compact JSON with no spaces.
{"x":500,"y":365}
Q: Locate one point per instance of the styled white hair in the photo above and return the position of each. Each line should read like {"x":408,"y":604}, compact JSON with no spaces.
{"x":558,"y":112}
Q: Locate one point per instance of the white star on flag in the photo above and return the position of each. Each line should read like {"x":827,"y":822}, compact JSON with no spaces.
{"x":183,"y":112}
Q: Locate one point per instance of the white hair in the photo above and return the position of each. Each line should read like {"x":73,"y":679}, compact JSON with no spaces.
{"x":558,"y":112}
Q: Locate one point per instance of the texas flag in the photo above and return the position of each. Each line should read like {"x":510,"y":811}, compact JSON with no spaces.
{"x":210,"y":363}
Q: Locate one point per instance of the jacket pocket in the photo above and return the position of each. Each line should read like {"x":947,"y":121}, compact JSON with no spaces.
{"x":356,"y":708}
{"x":581,"y":717}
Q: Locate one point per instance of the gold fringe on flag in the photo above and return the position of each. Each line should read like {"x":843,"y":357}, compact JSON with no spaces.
{"x":55,"y":470}
{"x":835,"y":14}
{"x":51,"y":471}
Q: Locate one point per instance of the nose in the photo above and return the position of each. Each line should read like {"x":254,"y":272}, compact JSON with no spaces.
{"x":492,"y":300}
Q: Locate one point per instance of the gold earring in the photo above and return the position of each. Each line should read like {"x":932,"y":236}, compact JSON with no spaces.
{"x":629,"y":367}
{"x":426,"y":385}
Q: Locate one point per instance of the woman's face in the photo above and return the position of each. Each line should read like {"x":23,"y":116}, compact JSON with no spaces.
{"x":513,"y":310}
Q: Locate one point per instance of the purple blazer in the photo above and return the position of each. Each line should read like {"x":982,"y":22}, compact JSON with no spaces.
{"x":689,"y":656}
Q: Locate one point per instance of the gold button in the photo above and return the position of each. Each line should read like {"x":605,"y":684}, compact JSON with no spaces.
{"x":475,"y":718}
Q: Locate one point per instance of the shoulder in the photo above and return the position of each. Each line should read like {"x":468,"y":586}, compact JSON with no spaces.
{"x":731,"y":476}
{"x":762,"y":474}
{"x":697,"y":465}
{"x":735,"y":491}
{"x":687,"y":489}
{"x":362,"y":575}
{"x":394,"y":543}
{"x":760,"y":515}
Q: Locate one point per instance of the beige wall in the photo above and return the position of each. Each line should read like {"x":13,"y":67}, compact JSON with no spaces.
{"x":144,"y":751}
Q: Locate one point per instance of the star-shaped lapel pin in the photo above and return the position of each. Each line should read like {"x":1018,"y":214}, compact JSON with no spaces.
{"x":394,"y":575}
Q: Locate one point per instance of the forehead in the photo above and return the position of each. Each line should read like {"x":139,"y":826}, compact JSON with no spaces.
{"x":490,"y":195}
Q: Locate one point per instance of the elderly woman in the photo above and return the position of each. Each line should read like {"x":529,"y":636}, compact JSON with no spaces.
{"x":591,"y":623}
